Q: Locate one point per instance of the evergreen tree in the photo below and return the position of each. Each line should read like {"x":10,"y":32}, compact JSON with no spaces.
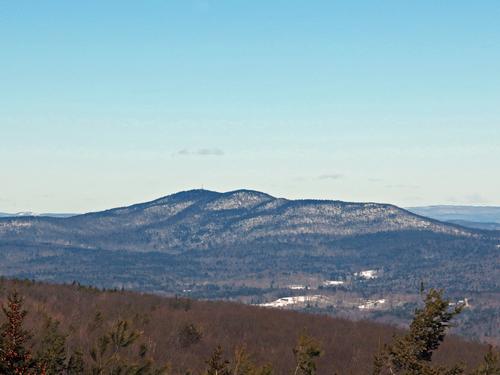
{"x":216,"y":364}
{"x":189,"y":335}
{"x":491,"y":365}
{"x":15,"y":357}
{"x":51,"y":357}
{"x":411,"y":354}
{"x":76,"y":365}
{"x":306,"y":352}
{"x":112,"y":354}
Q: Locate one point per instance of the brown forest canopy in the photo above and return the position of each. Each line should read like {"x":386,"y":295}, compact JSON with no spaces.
{"x":184,"y":332}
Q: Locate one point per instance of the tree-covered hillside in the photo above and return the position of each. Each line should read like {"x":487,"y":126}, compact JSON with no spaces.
{"x":85,"y":329}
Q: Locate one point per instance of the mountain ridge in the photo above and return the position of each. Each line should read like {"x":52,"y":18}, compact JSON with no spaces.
{"x":196,"y":219}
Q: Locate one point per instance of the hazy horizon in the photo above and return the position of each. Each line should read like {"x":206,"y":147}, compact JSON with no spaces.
{"x":125,"y":204}
{"x":109,"y":104}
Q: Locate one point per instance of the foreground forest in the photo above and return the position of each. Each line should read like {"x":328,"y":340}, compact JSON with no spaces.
{"x":71,"y":329}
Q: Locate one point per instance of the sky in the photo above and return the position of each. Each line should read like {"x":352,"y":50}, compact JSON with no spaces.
{"x":109,"y":103}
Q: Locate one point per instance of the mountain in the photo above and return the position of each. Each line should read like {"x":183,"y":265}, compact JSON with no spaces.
{"x":200,"y":219}
{"x":482,"y":217}
{"x":341,"y":257}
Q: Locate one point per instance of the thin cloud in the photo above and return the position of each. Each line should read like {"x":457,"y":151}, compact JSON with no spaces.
{"x":183,"y":152}
{"x":210,"y":151}
{"x":332,"y":176}
{"x":200,"y":152}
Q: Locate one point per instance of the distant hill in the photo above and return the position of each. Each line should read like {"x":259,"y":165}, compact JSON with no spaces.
{"x":482,"y":217}
{"x":184,"y":332}
{"x":476,"y":224}
{"x":23,"y":214}
{"x":200,"y":219}
{"x":249,"y":246}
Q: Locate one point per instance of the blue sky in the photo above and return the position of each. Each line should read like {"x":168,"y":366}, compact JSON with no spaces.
{"x":106,"y":103}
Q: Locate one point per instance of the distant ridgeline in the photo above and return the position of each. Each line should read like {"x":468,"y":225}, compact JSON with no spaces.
{"x":480,"y":217}
{"x":252,"y":247}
